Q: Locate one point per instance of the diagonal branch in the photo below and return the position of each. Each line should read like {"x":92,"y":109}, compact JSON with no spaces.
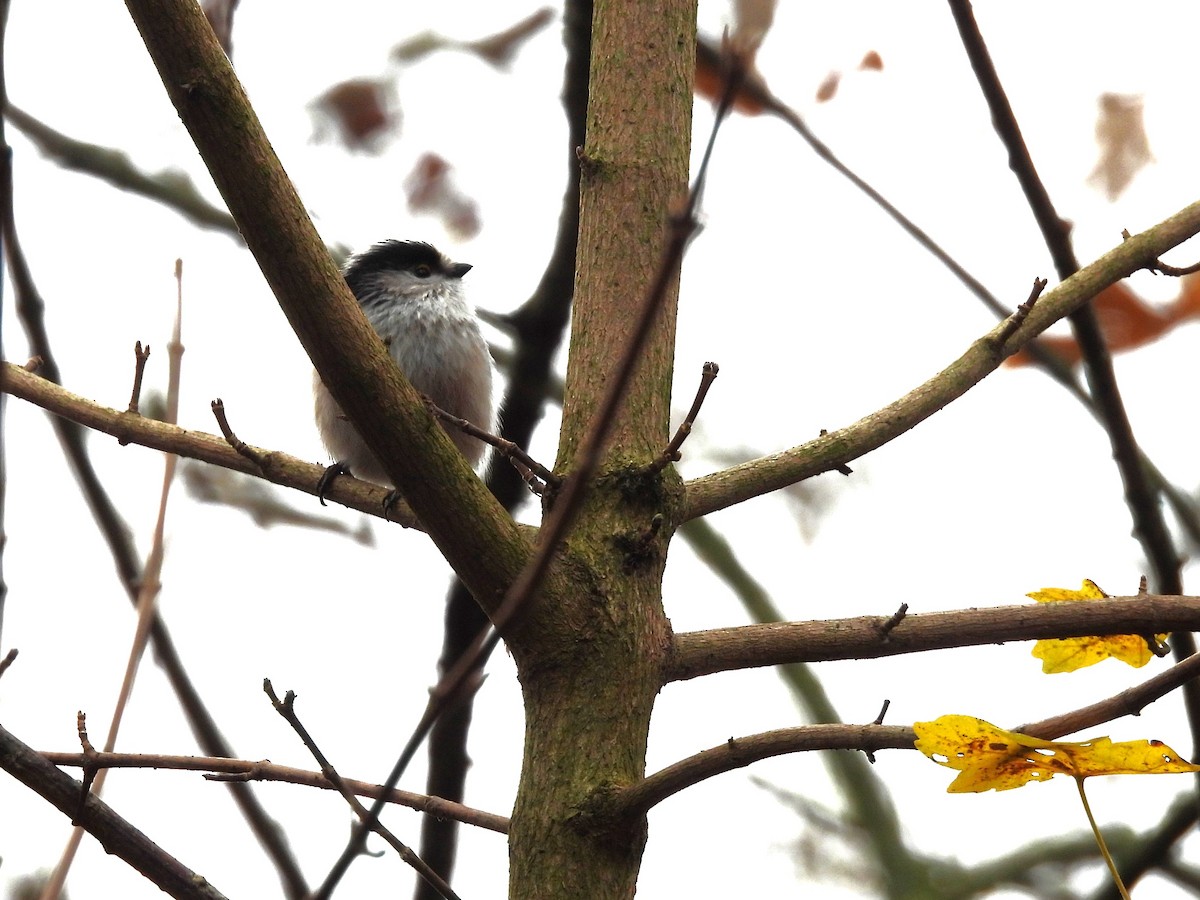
{"x":761,"y":476}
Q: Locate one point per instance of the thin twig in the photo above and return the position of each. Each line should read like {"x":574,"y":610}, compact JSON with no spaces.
{"x":223,"y":769}
{"x":1013,"y":322}
{"x":287,"y":709}
{"x":671,"y":453}
{"x":9,"y":658}
{"x":140,"y":356}
{"x":530,"y":469}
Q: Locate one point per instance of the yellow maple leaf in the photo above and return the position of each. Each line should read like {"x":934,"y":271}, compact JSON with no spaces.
{"x":990,"y":758}
{"x":1069,"y":654}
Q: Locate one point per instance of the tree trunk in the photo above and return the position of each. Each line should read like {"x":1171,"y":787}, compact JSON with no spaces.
{"x":590,"y":667}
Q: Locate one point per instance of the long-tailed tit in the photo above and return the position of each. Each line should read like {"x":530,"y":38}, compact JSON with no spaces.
{"x":413,"y":297}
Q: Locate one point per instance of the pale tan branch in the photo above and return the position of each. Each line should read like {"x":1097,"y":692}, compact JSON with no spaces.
{"x":750,"y":646}
{"x":250,"y":770}
{"x":770,"y":473}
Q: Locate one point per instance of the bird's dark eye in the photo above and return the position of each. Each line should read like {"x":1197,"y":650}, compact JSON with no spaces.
{"x":423,"y":271}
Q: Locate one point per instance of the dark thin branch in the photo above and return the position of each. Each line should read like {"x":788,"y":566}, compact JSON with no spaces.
{"x":699,"y":653}
{"x":116,"y":835}
{"x":532,"y":472}
{"x":1142,"y":498}
{"x":287,"y":709}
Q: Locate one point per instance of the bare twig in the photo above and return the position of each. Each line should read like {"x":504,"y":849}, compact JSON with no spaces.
{"x":671,"y":453}
{"x":223,"y":769}
{"x":756,"y":90}
{"x":1013,"y":322}
{"x":634,"y":801}
{"x":140,"y":356}
{"x":530,"y":469}
{"x":287,"y":709}
{"x":9,"y":658}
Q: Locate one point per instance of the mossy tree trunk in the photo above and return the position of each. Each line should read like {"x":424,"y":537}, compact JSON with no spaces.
{"x":590,"y":661}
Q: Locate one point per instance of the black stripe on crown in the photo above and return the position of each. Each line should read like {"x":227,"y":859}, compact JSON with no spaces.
{"x":391,"y":256}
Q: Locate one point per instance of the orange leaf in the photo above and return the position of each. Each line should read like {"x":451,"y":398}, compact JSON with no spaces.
{"x":1126,"y":321}
{"x":1069,"y":654}
{"x":990,"y":758}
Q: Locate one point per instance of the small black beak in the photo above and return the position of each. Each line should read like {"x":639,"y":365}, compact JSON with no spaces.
{"x":458,"y":270}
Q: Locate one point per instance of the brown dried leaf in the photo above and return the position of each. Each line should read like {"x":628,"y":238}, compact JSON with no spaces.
{"x":1124,"y":148}
{"x":828,"y":88}
{"x":362,"y":111}
{"x":872,"y":61}
{"x":430,"y":189}
{"x":501,"y":48}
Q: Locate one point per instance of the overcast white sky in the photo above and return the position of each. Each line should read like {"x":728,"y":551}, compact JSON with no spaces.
{"x":816,"y":307}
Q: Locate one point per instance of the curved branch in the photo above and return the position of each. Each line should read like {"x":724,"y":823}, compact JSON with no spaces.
{"x":737,"y":753}
{"x":770,"y":473}
{"x":750,"y":646}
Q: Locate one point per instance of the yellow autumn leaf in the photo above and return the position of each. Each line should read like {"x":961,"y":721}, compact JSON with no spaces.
{"x":990,"y":758}
{"x":1069,"y":654}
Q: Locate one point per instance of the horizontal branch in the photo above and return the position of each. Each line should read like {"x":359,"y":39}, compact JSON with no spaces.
{"x":836,"y":448}
{"x":251,"y":770}
{"x":870,"y":637}
{"x":116,"y":835}
{"x":131,"y":428}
